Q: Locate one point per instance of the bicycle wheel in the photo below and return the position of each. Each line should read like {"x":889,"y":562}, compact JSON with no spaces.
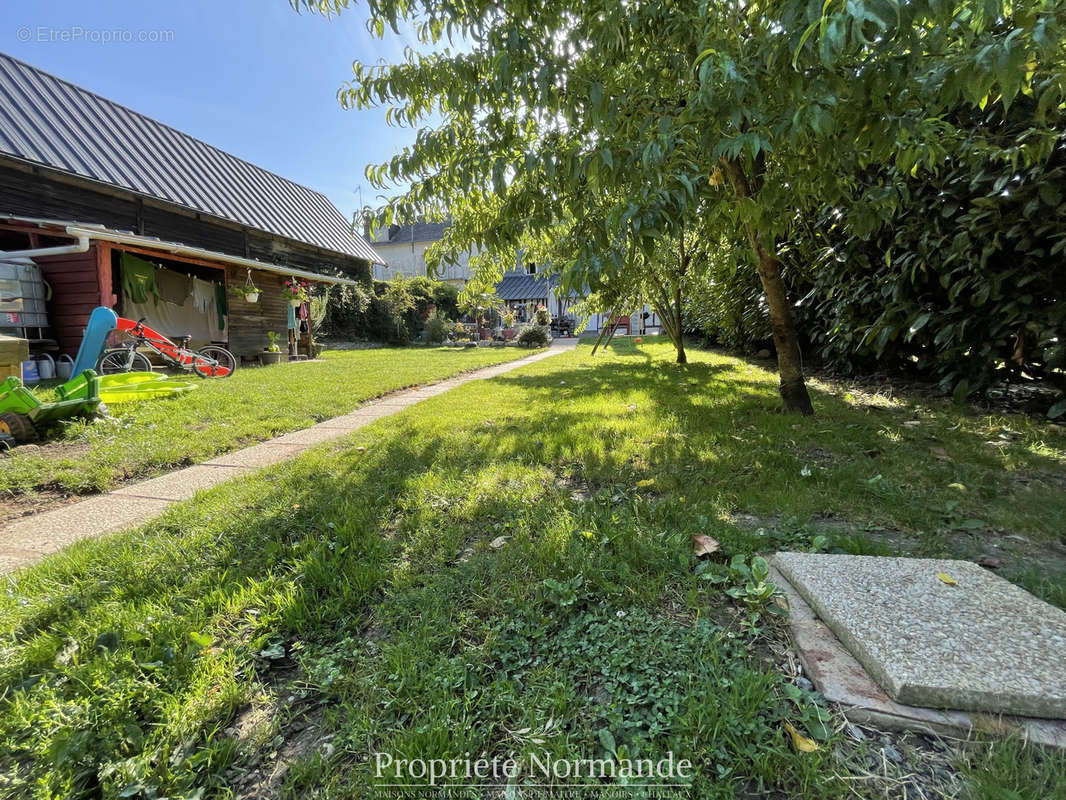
{"x":122,"y":360}
{"x":214,"y":362}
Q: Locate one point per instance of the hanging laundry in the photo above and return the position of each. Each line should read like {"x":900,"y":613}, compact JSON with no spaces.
{"x":290,"y":317}
{"x":173,"y":286}
{"x":304,"y":311}
{"x":138,"y":279}
{"x":221,"y":306}
{"x":203,"y":295}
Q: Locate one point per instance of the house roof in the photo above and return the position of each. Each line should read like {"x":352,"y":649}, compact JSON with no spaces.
{"x":51,"y":122}
{"x":418,"y":232}
{"x":522,"y":286}
{"x":103,"y":234}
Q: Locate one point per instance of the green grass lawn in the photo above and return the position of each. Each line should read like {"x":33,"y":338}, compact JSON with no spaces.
{"x":508,"y":568}
{"x":223,"y":415}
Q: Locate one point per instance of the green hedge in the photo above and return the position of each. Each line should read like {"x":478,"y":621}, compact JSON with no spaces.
{"x":364,"y":312}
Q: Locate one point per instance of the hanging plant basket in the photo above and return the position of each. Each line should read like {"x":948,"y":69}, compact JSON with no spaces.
{"x":250,"y":292}
{"x":296,"y":292}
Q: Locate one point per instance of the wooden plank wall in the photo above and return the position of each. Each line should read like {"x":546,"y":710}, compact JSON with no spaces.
{"x":249,"y":322}
{"x":76,"y":291}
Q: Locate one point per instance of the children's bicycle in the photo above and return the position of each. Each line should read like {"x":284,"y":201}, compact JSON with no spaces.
{"x":208,"y":362}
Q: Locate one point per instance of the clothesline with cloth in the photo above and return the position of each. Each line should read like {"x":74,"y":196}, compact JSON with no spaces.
{"x":177,"y":303}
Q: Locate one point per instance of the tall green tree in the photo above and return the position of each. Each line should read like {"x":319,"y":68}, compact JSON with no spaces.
{"x":760,"y":111}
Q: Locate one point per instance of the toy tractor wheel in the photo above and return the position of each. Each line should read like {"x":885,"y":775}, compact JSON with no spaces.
{"x":18,"y":426}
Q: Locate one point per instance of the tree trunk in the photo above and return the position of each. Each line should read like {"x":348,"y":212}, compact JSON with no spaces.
{"x":679,"y":341}
{"x":789,"y":360}
{"x":792,"y":387}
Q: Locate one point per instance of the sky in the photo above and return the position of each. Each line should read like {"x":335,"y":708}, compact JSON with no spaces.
{"x":251,"y":77}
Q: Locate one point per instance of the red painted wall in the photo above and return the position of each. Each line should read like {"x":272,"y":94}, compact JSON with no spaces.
{"x":76,"y":291}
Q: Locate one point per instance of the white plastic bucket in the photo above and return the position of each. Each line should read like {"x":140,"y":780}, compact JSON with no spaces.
{"x":46,"y":367}
{"x":64,"y":367}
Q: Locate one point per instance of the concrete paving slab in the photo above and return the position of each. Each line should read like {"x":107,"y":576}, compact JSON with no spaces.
{"x":350,"y":422}
{"x":53,"y":530}
{"x":11,"y":560}
{"x":982,"y":644}
{"x":184,"y":483}
{"x":260,"y":455}
{"x":842,"y":680}
{"x":316,"y":434}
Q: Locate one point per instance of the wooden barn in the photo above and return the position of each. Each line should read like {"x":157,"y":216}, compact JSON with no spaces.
{"x":120,"y":210}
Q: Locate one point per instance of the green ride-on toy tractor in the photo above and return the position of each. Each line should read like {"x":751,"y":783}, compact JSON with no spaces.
{"x":22,"y":415}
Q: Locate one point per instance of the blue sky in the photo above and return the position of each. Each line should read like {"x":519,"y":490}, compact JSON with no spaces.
{"x":252,"y":77}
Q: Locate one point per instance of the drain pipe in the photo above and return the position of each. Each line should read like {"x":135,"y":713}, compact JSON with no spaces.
{"x":81,"y":246}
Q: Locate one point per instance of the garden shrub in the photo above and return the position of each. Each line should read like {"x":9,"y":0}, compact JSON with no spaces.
{"x":437,"y":327}
{"x":534,"y":336}
{"x":961,"y":282}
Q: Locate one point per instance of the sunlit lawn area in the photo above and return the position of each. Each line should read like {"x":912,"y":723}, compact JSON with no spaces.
{"x":222,"y":415}
{"x":509,"y":568}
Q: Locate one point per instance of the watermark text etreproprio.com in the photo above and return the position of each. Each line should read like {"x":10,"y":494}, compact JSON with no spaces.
{"x":49,"y":34}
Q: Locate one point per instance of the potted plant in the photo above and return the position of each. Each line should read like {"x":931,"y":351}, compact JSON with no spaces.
{"x":296,"y":292}
{"x":249,"y":291}
{"x":272,"y":354}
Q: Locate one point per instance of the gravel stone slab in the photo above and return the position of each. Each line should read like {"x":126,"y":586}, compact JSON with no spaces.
{"x":981,"y":645}
{"x":842,"y":680}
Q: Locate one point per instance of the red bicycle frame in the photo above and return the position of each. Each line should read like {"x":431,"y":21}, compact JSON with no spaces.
{"x":166,"y":348}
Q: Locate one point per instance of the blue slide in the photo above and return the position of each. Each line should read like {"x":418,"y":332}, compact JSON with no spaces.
{"x":101,"y":322}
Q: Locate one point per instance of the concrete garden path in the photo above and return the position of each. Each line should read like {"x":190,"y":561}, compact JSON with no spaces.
{"x":30,"y":539}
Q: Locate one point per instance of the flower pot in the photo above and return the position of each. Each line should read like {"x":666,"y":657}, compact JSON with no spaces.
{"x":267,"y":358}
{"x":295,"y":303}
{"x":251,"y":297}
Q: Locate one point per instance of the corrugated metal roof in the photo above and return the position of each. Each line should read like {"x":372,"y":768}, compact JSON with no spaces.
{"x":522,"y":286}
{"x":49,"y":121}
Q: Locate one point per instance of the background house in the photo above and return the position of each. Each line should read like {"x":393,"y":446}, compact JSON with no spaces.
{"x":402,"y":249}
{"x":77,"y":169}
{"x":521,"y":289}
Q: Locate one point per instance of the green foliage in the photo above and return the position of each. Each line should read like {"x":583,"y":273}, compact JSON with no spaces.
{"x":478,"y":301}
{"x":594,"y":138}
{"x":955,"y":274}
{"x":747,"y":583}
{"x":726,"y":307}
{"x":388,"y":311}
{"x":437,"y":328}
{"x":533,"y":336}
{"x":1012,"y":769}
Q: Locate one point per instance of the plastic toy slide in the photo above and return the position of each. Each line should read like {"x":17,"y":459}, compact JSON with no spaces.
{"x":101,"y":322}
